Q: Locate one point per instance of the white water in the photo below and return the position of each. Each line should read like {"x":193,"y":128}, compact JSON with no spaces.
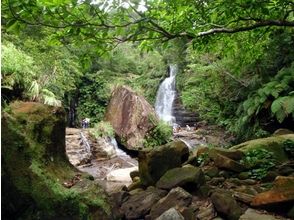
{"x":166,"y":95}
{"x":119,"y":152}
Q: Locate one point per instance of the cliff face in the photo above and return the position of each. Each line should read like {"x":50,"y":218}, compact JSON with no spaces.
{"x":38,"y":182}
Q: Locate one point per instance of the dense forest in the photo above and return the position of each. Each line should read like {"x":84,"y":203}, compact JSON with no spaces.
{"x":236,"y":59}
{"x":235,"y":71}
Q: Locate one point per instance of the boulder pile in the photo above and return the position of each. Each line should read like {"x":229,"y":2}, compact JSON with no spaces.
{"x":209,"y":183}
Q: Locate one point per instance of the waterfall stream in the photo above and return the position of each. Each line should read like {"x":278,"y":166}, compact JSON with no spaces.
{"x":166,"y":95}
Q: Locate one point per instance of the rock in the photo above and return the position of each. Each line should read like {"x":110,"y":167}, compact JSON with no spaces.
{"x":206,"y":212}
{"x":216,"y":181}
{"x":282,"y":131}
{"x":134,"y":185}
{"x":243,"y":175}
{"x":281,"y":192}
{"x":171,"y":214}
{"x":187,"y":176}
{"x":226,"y":205}
{"x":252,"y":214}
{"x":230,"y":153}
{"x":243,"y":197}
{"x":139,"y":204}
{"x":103,"y":148}
{"x":134,"y":174}
{"x":131,"y":116}
{"x":119,"y":197}
{"x":188,"y":213}
{"x":153,"y":164}
{"x":177,"y":197}
{"x":35,"y":166}
{"x":224,"y":162}
{"x":121,"y":175}
{"x":273,"y":144}
{"x":211,"y":171}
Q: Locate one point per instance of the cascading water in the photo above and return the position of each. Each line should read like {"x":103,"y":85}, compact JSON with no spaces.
{"x":166,"y":95}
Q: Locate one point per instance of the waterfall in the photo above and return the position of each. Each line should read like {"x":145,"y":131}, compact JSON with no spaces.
{"x":119,"y":152}
{"x":166,"y":95}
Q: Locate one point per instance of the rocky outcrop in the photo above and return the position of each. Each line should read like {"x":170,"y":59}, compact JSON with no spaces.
{"x":76,"y":150}
{"x":131,"y":116}
{"x":215,"y":186}
{"x":153,"y":164}
{"x":37,"y":179}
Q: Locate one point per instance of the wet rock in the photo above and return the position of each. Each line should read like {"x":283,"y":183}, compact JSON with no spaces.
{"x":226,"y":163}
{"x":140,"y":203}
{"x":226,"y":205}
{"x":153,"y":164}
{"x":121,"y":175}
{"x":171,"y":214}
{"x":129,"y":114}
{"x":188,"y":176}
{"x":281,"y":192}
{"x":177,"y":197}
{"x":252,"y":214}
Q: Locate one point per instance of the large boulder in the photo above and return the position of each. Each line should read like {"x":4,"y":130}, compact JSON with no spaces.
{"x":226,"y":205}
{"x":139,"y":204}
{"x":177,"y":197}
{"x":275,"y":144}
{"x":154,"y":163}
{"x":282,"y":192}
{"x":38,"y":182}
{"x":131,"y":116}
{"x":187,"y":176}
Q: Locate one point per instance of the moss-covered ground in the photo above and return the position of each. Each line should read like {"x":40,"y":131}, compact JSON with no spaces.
{"x":35,"y":169}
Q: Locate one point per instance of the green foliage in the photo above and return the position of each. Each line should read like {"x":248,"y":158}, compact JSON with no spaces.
{"x":102,"y":129}
{"x":202,"y":159}
{"x":259,"y":161}
{"x":289,"y":147}
{"x":17,"y":67}
{"x":159,"y":135}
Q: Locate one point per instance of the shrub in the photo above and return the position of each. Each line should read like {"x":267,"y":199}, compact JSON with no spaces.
{"x":102,"y":129}
{"x":259,"y":161}
{"x":159,"y":135}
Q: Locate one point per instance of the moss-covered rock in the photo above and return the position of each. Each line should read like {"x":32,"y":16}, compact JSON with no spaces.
{"x":154,"y":163}
{"x":274,"y":144}
{"x":35,"y":169}
{"x":189,"y":176}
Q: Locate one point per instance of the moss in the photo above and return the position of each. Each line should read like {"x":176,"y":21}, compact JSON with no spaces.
{"x":34,"y":167}
{"x":272,"y":144}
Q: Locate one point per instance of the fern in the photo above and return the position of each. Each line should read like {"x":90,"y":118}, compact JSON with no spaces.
{"x":276,"y":96}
